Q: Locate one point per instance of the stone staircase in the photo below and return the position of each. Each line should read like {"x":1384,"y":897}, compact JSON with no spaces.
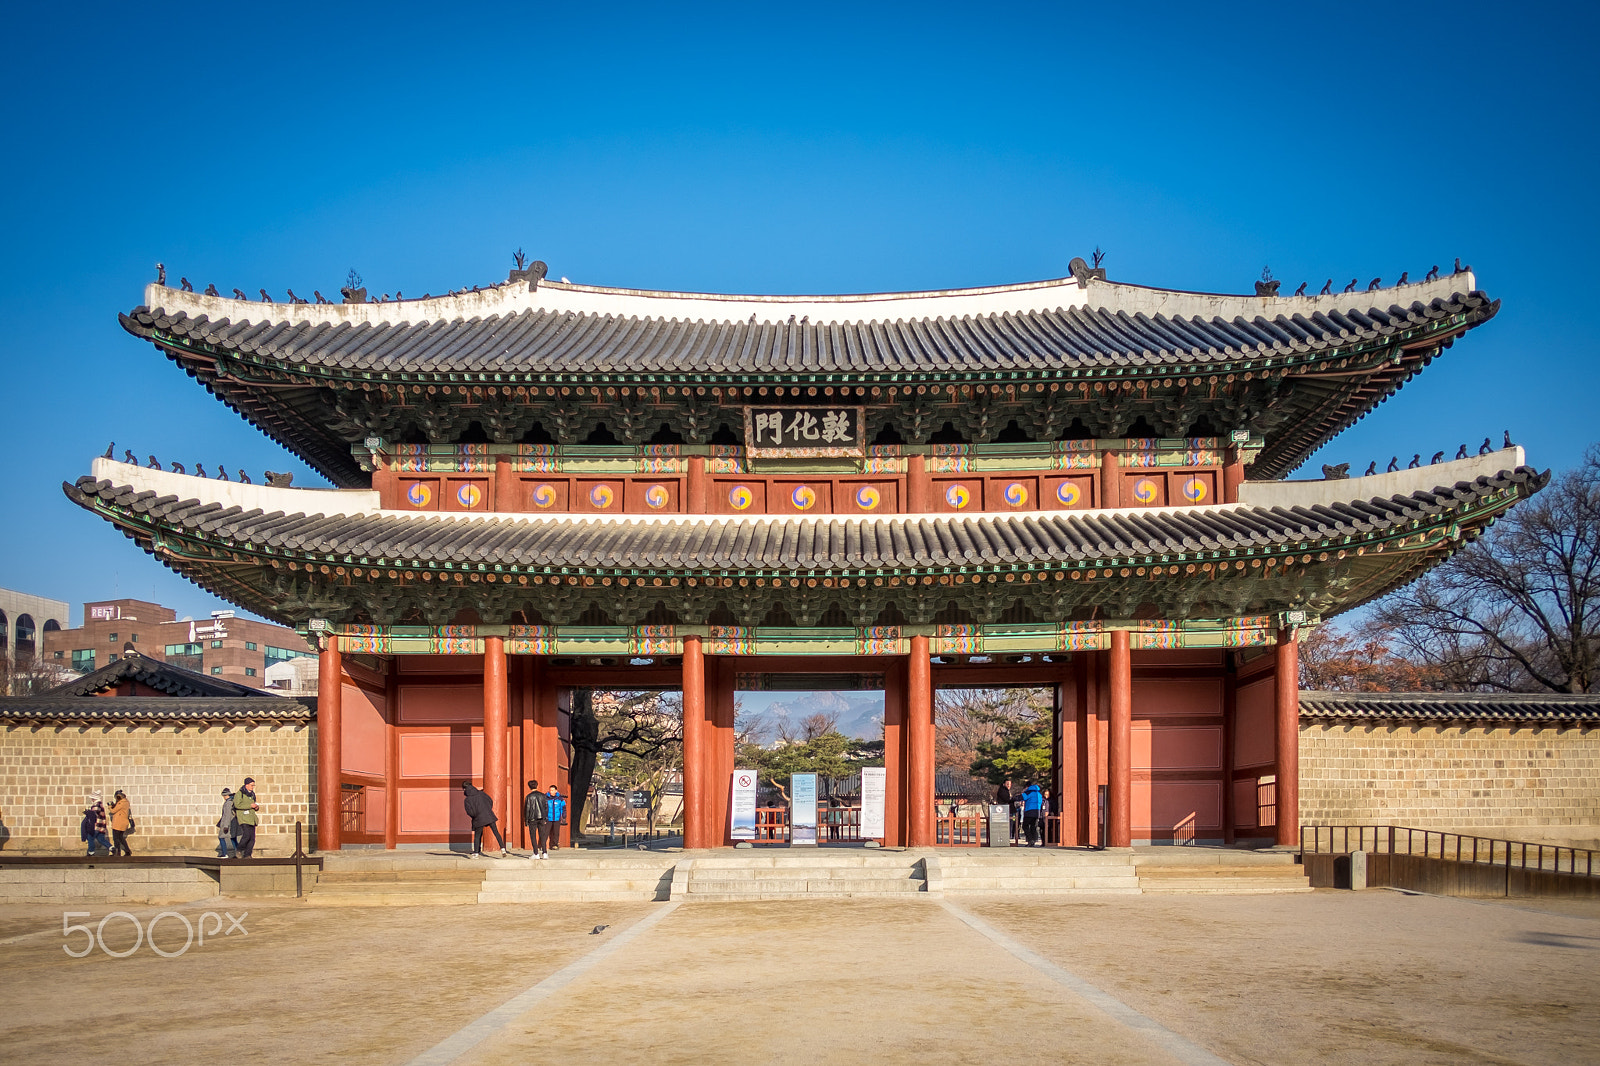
{"x":395,"y":879}
{"x":825,"y":873}
{"x":1215,"y":871}
{"x":580,"y":876}
{"x":1035,"y":872}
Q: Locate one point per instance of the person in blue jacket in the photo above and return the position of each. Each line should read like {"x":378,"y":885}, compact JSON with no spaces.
{"x":557,"y":813}
{"x":1032,"y":809}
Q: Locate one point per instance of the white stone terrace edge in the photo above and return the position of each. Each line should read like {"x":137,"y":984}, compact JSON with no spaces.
{"x":511,"y":298}
{"x":354,"y":502}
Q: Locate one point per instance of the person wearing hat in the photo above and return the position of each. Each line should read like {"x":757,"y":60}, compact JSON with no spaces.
{"x":480,"y":809}
{"x":556,"y":810}
{"x":93,"y":829}
{"x":227,"y":827}
{"x":121,"y":821}
{"x":245,"y":812}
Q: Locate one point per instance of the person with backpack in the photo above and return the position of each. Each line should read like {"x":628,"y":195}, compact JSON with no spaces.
{"x":536,"y":816}
{"x":246,"y":813}
{"x":557,"y":808}
{"x":480,"y":809}
{"x":1032,"y":807}
{"x":227,"y":827}
{"x":92,"y":829}
{"x":121,"y":825}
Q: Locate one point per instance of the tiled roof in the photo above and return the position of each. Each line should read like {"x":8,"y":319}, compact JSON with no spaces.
{"x":156,"y":710}
{"x":540,"y":341}
{"x":1443,"y":707}
{"x":783,"y":543}
{"x":153,"y":673}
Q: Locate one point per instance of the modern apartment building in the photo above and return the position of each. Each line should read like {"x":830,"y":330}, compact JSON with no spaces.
{"x":223,"y":645}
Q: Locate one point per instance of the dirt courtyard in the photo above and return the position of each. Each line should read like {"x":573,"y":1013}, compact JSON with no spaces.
{"x":1334,"y":977}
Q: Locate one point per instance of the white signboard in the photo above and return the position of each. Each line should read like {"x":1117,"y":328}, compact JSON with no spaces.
{"x":803,"y":810}
{"x":743,"y":808}
{"x":874,"y":784}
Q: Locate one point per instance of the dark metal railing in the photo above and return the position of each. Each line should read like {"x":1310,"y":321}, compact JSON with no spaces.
{"x":1436,"y":844}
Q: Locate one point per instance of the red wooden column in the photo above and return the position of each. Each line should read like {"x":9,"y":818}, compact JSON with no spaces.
{"x":721,"y":675}
{"x":1119,"y":745}
{"x":1232,"y":476}
{"x":695,"y":497}
{"x":919,"y":745}
{"x":694,"y":744}
{"x":1287,"y":692}
{"x":919,"y":490}
{"x":495,"y":714}
{"x":894,"y":753}
{"x":1230,"y":719}
{"x":391,"y":756}
{"x":1110,"y":481}
{"x":330,"y":691}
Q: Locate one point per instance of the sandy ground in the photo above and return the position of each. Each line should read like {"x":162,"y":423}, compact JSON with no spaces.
{"x":1336,"y":977}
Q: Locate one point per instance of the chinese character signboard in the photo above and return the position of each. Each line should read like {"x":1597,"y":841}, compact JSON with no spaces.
{"x":804,"y":432}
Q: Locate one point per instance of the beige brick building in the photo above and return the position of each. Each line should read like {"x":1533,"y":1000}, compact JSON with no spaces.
{"x":1523,"y":767}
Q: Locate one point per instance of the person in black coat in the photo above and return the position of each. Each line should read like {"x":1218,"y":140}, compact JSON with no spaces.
{"x":480,"y":808}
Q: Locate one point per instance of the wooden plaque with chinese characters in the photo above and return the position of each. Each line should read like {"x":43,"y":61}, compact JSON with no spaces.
{"x":804,"y":432}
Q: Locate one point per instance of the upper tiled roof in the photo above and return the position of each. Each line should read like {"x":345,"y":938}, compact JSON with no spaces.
{"x":156,"y":710}
{"x":709,"y":543}
{"x":572,"y":330}
{"x":152,"y":673}
{"x":1444,"y":707}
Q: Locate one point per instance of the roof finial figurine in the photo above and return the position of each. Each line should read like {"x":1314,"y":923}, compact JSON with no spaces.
{"x":397,"y":295}
{"x":161,"y":273}
{"x":199,"y":470}
{"x":1099,"y":257}
{"x":1301,"y":291}
{"x":152,"y":464}
{"x":222,"y":472}
{"x":1438,"y":457}
{"x":1327,"y":288}
{"x":177,"y":467}
{"x":244,"y":478}
{"x":1394,"y":464}
{"x":211,"y":290}
{"x":518,"y":258}
{"x":279,"y":481}
{"x":1372,"y":468}
{"x":1416,"y":461}
{"x":1461,"y":452}
{"x":1404,"y":274}
{"x":321,"y":299}
{"x":1508,"y":443}
{"x":1459,"y":268}
{"x":238,"y":294}
{"x":1374,"y":283}
{"x":183,"y":283}
{"x":1433,"y":273}
{"x":1352,"y":286}
{"x":1486,"y":447}
{"x":1268,"y":285}
{"x":264,"y":297}
{"x":293,"y":298}
{"x":129,"y":458}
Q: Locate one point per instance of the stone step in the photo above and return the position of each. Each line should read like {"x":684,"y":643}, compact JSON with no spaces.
{"x":1131,"y":889}
{"x":808,"y":860}
{"x":345,"y":875}
{"x":804,"y":885}
{"x":1040,"y":884}
{"x":857,"y":873}
{"x":1043,"y":858}
{"x":1038,"y":872}
{"x":769,"y":890}
{"x":574,"y":873}
{"x":1220,"y":872}
{"x":396,"y":895}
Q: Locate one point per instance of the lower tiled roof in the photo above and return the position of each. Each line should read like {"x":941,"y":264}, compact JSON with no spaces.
{"x":1443,"y":707}
{"x":781,"y":543}
{"x":155,"y":710}
{"x":153,"y":673}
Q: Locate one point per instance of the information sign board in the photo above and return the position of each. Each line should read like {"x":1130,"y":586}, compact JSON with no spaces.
{"x":874,"y":784}
{"x":742,"y":810}
{"x":802,"y":810}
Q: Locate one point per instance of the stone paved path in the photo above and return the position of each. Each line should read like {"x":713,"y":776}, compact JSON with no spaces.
{"x":1331,"y":977}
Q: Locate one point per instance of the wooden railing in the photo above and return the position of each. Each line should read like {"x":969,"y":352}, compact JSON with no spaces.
{"x":1459,"y":847}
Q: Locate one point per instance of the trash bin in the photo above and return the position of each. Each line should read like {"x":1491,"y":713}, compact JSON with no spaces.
{"x":999,"y":826}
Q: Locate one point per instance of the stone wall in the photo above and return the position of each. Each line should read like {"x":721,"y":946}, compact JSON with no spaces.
{"x":173,"y":775}
{"x":1518,"y":781}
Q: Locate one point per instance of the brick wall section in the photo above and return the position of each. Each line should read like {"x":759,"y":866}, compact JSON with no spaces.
{"x":173,"y":775}
{"x":1451,"y":777}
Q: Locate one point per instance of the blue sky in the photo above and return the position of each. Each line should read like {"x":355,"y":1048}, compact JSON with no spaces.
{"x":811,"y":148}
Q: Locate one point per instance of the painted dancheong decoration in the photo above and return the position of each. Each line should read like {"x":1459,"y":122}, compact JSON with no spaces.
{"x":1074,"y":483}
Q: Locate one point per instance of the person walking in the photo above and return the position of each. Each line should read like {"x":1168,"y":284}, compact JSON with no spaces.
{"x":227,"y":827}
{"x":93,"y":828}
{"x":480,"y":809}
{"x":536,"y":816}
{"x":246,"y":813}
{"x":121,"y":825}
{"x":1032,"y":805}
{"x":557,"y":808}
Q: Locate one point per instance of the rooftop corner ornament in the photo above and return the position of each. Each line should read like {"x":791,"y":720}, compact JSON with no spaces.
{"x":805,"y":432}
